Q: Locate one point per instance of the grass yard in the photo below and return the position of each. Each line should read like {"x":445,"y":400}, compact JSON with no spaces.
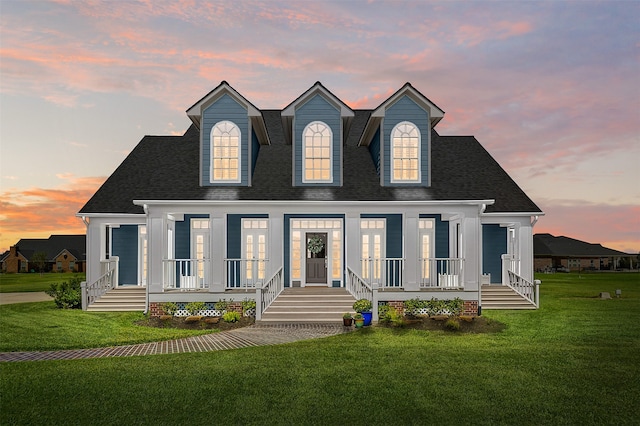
{"x":11,"y":283}
{"x":574,"y":361}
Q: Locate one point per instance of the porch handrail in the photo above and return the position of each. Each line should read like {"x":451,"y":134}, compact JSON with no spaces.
{"x":525,"y":288}
{"x":358,"y":287}
{"x":186,"y":274}
{"x":387,"y":272}
{"x":441,"y":272}
{"x":266,"y":294}
{"x":245,"y":273}
{"x":107,"y":281}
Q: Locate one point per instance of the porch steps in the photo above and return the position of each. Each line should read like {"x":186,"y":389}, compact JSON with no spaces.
{"x":310,"y":304}
{"x":503,"y":297}
{"x":120,"y":299}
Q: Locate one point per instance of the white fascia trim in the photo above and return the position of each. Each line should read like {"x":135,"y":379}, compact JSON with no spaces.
{"x":311,"y":203}
{"x":506,"y":214}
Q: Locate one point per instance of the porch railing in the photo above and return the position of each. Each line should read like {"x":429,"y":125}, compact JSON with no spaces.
{"x":245,"y":273}
{"x":510,"y":263}
{"x":266,"y":294}
{"x":527,"y":289}
{"x":385,"y":272}
{"x":186,"y":274}
{"x":107,"y":281}
{"x":444,"y":273}
{"x":357,"y":286}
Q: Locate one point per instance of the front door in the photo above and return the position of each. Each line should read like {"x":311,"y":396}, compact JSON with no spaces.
{"x":316,"y":258}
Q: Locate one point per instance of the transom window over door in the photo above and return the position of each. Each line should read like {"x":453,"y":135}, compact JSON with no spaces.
{"x":405,"y":153}
{"x":225,"y":152}
{"x":316,"y":151}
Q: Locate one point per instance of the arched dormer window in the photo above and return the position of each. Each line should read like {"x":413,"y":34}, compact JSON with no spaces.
{"x":225,"y":152}
{"x":405,"y":153}
{"x":317,"y":153}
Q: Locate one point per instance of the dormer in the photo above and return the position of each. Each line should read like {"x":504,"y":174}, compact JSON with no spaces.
{"x":231,"y":132}
{"x":316,"y":125}
{"x":398,"y":135}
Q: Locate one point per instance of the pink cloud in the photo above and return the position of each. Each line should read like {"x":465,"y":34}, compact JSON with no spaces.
{"x":472,"y":35}
{"x":40,"y":212}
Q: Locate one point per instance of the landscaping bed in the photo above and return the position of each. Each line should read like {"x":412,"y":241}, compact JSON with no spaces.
{"x":473,"y":325}
{"x":205,"y":323}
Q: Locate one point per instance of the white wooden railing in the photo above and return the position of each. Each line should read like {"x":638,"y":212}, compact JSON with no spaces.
{"x":107,"y":281}
{"x":444,"y":273}
{"x":385,"y":272}
{"x":509,"y":263}
{"x":527,"y":289}
{"x":266,"y":294}
{"x":357,"y":286}
{"x":245,"y":273}
{"x":186,"y":274}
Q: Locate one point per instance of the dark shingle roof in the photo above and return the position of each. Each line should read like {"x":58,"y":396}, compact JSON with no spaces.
{"x":547,"y":245}
{"x":167,"y":168}
{"x":53,"y":246}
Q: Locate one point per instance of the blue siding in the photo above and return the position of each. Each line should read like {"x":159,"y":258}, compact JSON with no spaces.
{"x":124,"y":244}
{"x":374,"y":150}
{"x":406,"y":110}
{"x":494,"y":245}
{"x":317,"y":109}
{"x":255,"y":149}
{"x":441,"y":235}
{"x":225,"y":108}
{"x":287,"y":239}
{"x":183,"y":235}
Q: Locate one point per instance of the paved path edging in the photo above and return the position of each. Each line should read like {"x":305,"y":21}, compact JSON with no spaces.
{"x":259,"y":334}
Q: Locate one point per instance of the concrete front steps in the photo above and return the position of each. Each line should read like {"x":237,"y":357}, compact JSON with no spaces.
{"x":503,"y":297}
{"x":120,"y":299}
{"x":310,"y":304}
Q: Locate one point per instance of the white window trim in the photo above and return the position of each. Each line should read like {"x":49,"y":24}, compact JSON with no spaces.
{"x":391,"y":168}
{"x":304,"y":168}
{"x":211,"y":158}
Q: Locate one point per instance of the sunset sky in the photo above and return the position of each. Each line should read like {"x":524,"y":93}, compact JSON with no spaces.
{"x":551,"y":89}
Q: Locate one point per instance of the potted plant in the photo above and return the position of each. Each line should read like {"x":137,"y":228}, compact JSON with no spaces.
{"x":359,"y":320}
{"x":363,"y":306}
{"x":347,"y":319}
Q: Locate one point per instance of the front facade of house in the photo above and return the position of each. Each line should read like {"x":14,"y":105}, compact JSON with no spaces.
{"x":248,"y":202}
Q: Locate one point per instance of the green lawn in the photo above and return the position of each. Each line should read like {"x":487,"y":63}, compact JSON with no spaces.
{"x":10,"y":283}
{"x":574,"y":361}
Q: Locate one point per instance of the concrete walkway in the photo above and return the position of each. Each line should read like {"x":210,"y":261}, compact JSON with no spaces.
{"x":256,"y":335}
{"x":24,"y":297}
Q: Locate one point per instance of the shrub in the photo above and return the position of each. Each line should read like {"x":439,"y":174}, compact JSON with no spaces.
{"x":383,"y":313}
{"x":362,"y":305}
{"x":221,"y":306}
{"x":67,"y":295}
{"x":194,"y":308}
{"x":248,"y":305}
{"x":169,"y":308}
{"x":231,"y":316}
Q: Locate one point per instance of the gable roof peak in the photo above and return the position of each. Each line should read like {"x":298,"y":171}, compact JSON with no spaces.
{"x":195,"y":111}
{"x":318,"y":87}
{"x":435,"y":112}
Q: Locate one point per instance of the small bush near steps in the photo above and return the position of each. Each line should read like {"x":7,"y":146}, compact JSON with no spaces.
{"x":67,"y":295}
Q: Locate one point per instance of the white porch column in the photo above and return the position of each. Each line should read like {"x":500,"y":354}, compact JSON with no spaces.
{"x":525,"y":243}
{"x":94,"y":244}
{"x":218,"y":241}
{"x":352,"y":242}
{"x":411,"y":251}
{"x":276,"y":243}
{"x":472,"y":252}
{"x":156,"y":251}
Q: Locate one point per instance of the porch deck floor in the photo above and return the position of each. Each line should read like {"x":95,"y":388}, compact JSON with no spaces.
{"x":255,"y":335}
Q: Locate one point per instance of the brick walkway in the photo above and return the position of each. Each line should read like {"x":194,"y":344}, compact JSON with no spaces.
{"x":255,"y":335}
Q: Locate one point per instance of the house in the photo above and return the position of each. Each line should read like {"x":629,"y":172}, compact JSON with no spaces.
{"x":553,"y":253}
{"x":255,"y":204}
{"x":61,"y":253}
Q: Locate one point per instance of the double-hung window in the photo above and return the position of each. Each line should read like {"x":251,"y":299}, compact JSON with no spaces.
{"x":317,"y":153}
{"x":405,"y":153}
{"x":225,"y":152}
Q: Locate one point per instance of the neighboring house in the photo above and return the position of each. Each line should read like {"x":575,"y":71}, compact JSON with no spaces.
{"x":553,"y":253}
{"x":63,"y":253}
{"x":317,"y":194}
